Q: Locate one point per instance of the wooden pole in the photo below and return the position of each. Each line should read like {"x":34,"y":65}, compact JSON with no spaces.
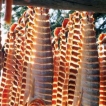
{"x":81,"y":5}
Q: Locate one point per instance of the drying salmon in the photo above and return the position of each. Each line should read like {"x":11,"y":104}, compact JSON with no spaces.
{"x":102,"y":62}
{"x":68,"y":70}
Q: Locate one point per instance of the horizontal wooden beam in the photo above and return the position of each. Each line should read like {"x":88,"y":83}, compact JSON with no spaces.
{"x":81,"y":5}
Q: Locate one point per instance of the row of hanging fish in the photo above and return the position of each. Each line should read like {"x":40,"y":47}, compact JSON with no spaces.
{"x":68,"y":70}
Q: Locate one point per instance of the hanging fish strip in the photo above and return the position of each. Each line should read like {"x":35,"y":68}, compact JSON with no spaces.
{"x":9,"y":67}
{"x":102,"y":62}
{"x":89,"y":63}
{"x":42,"y":57}
{"x":74,"y":39}
{"x":56,"y":59}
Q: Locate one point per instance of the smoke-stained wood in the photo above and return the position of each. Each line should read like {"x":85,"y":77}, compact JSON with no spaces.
{"x":88,"y":5}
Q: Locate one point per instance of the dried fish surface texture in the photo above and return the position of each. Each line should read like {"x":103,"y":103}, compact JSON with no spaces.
{"x":8,"y":69}
{"x":42,"y":57}
{"x":102,"y":61}
{"x":74,"y":79}
{"x":63,"y":75}
{"x":56,"y":59}
{"x":15,"y":70}
{"x":68,"y":70}
{"x":89,"y":63}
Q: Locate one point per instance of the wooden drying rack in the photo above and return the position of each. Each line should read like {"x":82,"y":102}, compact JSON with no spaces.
{"x":81,"y":5}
